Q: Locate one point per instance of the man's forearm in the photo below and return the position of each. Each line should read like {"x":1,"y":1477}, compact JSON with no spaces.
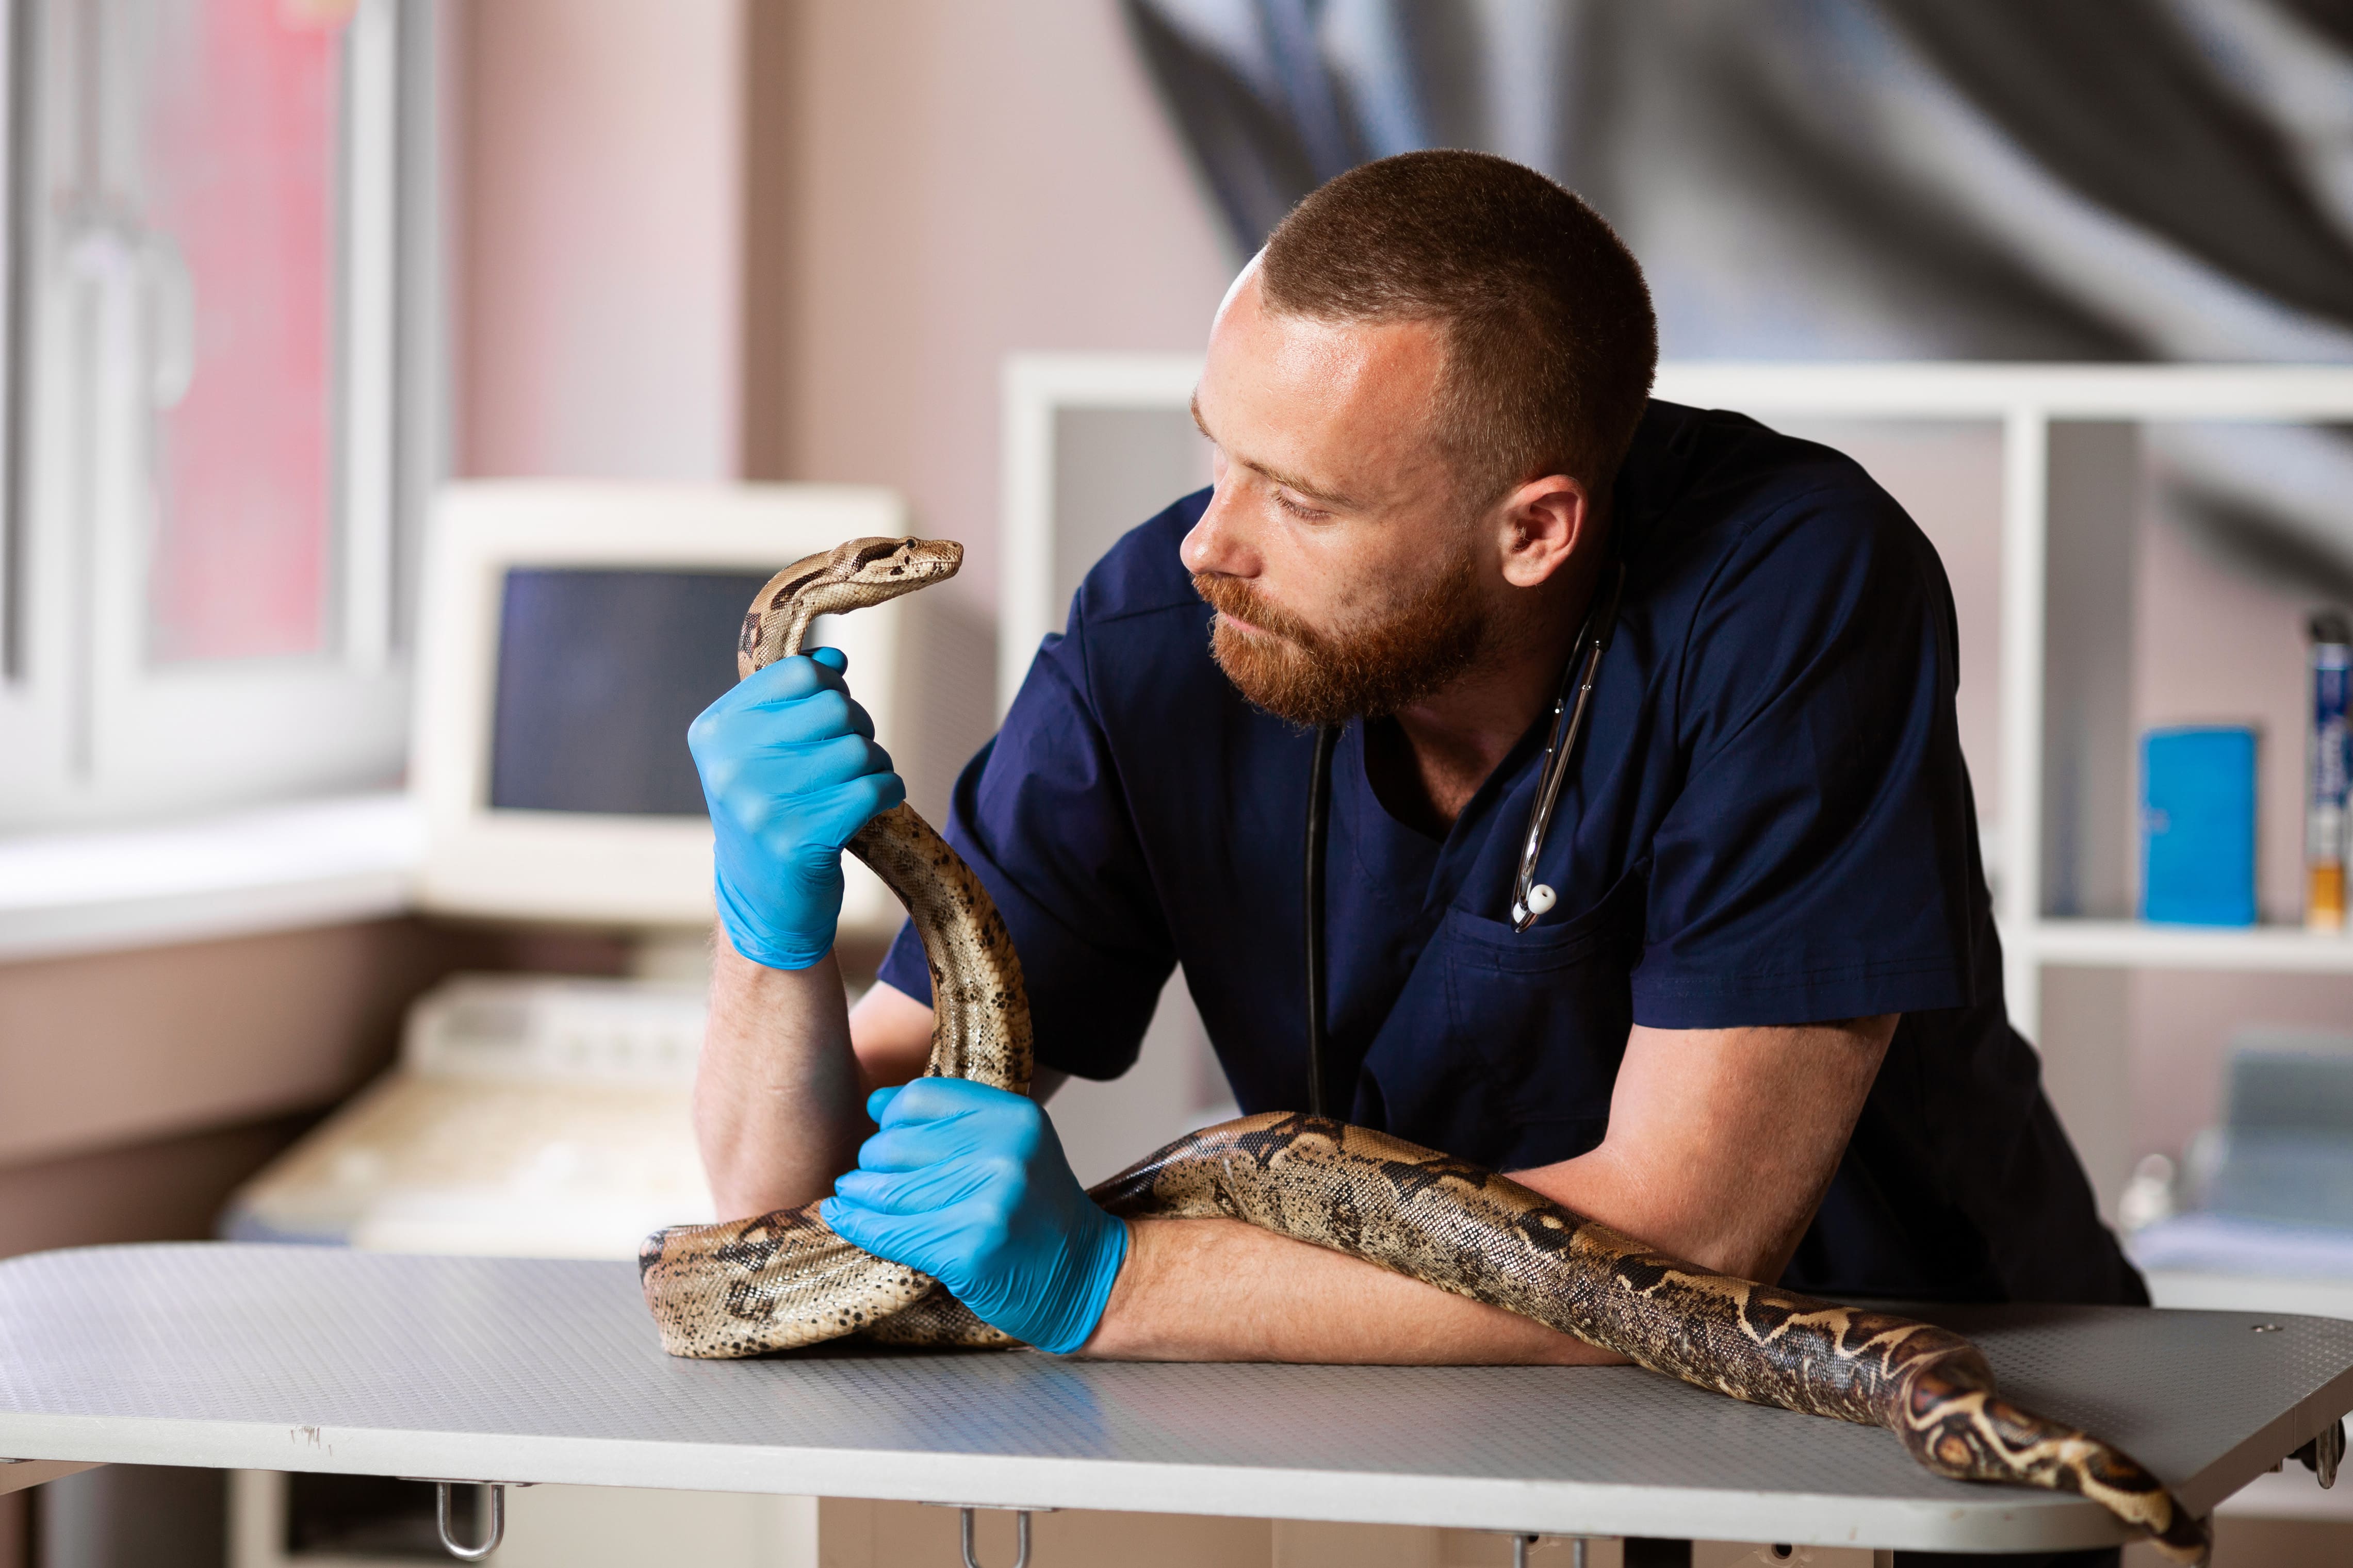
{"x":778,"y":1109}
{"x":1721,"y":1143}
{"x":1218,"y":1290}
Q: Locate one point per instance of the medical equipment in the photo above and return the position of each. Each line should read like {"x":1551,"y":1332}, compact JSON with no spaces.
{"x":1530,"y":897}
{"x":569,"y":632}
{"x":528,"y":1115}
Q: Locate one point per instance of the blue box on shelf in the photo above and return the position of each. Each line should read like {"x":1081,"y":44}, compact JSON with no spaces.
{"x":2197,"y":825}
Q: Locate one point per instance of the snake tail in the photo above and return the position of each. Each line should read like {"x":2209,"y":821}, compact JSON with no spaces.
{"x":1479,"y":1235}
{"x":1971,"y":1434}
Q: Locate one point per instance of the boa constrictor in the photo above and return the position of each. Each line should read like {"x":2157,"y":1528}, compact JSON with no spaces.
{"x":746,"y":1287}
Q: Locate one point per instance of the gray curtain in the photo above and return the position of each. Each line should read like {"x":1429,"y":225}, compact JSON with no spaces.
{"x":1999,"y":179}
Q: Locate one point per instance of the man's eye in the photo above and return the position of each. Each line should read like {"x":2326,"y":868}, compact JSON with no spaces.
{"x":1293,"y":507}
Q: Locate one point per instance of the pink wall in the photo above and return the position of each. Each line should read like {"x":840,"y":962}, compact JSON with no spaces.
{"x":596,"y":249}
{"x":935,"y":184}
{"x":975,"y":180}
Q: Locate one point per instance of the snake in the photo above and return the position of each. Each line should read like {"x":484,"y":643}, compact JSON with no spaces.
{"x":784,"y":1280}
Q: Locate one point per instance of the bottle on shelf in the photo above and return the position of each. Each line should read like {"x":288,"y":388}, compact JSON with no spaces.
{"x":2327,"y":771}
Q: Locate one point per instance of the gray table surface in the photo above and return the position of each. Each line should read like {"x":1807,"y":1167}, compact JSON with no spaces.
{"x":531,"y":1370}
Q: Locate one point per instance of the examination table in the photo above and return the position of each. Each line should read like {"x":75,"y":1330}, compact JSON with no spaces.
{"x":504,"y":1370}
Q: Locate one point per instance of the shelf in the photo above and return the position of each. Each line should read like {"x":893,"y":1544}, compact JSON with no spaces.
{"x":1950,"y":390}
{"x":2136,"y":944}
{"x":305,"y":863}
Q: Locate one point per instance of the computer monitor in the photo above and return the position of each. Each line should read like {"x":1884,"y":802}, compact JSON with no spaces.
{"x":568,"y":634}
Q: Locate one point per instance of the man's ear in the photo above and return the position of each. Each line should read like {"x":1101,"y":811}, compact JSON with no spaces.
{"x":1544,"y":523}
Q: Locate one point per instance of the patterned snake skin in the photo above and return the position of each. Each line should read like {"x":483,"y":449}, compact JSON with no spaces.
{"x":744,"y":1286}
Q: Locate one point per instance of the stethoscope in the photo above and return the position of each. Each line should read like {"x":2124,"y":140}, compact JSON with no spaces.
{"x":1530,"y":897}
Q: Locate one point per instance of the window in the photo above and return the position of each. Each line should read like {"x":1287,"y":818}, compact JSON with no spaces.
{"x":221,"y":399}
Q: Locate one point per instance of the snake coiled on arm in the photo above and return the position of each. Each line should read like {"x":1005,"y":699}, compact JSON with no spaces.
{"x":784,"y":1280}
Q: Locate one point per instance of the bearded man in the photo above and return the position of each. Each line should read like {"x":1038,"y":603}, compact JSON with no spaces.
{"x":1760,"y":1024}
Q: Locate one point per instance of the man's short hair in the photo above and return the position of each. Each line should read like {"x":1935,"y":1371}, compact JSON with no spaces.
{"x":1551,"y":341}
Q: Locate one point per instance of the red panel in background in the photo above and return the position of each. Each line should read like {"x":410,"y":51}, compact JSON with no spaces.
{"x":239,"y":141}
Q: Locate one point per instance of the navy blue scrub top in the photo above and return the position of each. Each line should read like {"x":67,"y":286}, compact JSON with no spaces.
{"x":1768,"y":822}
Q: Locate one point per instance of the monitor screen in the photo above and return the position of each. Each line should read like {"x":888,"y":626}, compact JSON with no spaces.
{"x":599,"y":673}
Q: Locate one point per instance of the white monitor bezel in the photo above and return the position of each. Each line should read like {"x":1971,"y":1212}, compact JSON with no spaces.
{"x":578,"y":867}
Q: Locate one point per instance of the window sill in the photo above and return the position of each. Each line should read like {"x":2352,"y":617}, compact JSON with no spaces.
{"x":310,"y":863}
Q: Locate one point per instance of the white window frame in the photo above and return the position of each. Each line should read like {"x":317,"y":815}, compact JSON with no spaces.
{"x":91,"y":732}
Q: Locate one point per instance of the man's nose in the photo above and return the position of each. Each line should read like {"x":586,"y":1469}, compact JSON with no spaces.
{"x":1215,"y":544}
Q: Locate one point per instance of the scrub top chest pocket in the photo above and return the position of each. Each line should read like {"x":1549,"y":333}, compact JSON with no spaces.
{"x":1506,"y":1044}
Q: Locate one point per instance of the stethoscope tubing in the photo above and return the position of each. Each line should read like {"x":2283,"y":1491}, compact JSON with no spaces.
{"x":1319,"y":822}
{"x":1568,"y":709}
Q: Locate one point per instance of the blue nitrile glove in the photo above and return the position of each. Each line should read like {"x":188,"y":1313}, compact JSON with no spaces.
{"x":790,"y":770}
{"x":968,"y":1184}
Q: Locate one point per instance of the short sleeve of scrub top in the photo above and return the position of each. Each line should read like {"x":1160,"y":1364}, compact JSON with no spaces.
{"x":1815,"y":862}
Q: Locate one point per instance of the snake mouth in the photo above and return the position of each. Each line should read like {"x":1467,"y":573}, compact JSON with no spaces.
{"x":932,"y":559}
{"x":909,"y":561}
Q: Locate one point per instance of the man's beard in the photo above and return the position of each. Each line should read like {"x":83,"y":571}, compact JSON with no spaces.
{"x":1415,"y":646}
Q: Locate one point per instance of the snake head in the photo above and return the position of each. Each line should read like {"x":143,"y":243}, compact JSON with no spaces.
{"x":852,"y":575}
{"x":890,"y":567}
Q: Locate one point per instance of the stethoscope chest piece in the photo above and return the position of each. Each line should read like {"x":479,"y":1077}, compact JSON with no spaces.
{"x":1531,"y":898}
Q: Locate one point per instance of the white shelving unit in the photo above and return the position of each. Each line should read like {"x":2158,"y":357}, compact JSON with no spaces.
{"x":2068,"y":494}
{"x":1096,"y":443}
{"x":1093,"y":445}
{"x":2135,"y":944}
